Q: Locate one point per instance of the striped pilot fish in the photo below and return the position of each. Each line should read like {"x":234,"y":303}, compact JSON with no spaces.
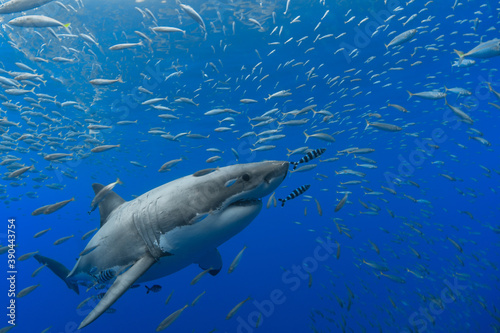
{"x":309,"y":156}
{"x":295,"y":193}
{"x":104,"y":276}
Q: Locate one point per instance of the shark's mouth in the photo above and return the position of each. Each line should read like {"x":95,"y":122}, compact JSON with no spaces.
{"x":246,"y":202}
{"x":241,"y":203}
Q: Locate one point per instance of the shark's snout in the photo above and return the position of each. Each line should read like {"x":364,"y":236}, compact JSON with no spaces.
{"x":277,"y":173}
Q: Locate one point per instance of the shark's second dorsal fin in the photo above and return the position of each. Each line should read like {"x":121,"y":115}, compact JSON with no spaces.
{"x":122,"y":283}
{"x":108,"y":204}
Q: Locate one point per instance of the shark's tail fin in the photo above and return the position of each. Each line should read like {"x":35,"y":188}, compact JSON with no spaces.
{"x":60,"y":270}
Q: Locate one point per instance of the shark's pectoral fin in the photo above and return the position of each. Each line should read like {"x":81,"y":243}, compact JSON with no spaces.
{"x":122,"y":283}
{"x":108,"y":204}
{"x":211,"y":259}
{"x":59,"y":269}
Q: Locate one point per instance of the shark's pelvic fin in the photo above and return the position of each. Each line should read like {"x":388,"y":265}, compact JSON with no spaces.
{"x":59,"y":269}
{"x":108,"y":204}
{"x":211,"y":259}
{"x":122,"y":283}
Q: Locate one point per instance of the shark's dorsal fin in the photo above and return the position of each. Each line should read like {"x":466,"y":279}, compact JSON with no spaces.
{"x":108,"y":204}
{"x":211,"y":259}
{"x":122,"y":283}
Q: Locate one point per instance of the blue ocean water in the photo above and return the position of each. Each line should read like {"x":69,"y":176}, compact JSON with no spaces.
{"x":422,"y":260}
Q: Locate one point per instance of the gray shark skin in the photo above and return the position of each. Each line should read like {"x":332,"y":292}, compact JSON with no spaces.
{"x":172,"y":226}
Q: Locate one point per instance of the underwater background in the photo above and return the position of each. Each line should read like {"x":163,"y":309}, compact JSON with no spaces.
{"x":420,"y":258}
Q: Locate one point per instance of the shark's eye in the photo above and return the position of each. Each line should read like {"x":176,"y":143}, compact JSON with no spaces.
{"x":246,"y":177}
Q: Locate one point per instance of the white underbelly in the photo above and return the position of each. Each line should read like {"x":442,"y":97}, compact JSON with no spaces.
{"x":165,"y":266}
{"x":189,"y":243}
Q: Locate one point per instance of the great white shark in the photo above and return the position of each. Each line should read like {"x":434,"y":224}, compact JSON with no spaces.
{"x":168,"y":228}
